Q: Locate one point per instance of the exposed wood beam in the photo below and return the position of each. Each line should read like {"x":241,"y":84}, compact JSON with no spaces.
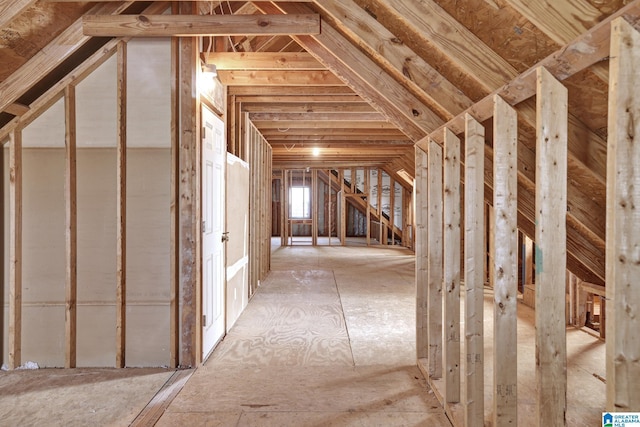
{"x":505,"y":197}
{"x":339,"y":89}
{"x":335,"y":126}
{"x":337,"y":116}
{"x":198,"y":25}
{"x":306,"y":107}
{"x":15,"y":249}
{"x":623,"y":233}
{"x":278,"y":78}
{"x":71,"y":229}
{"x":378,"y":137}
{"x":263,"y":61}
{"x":121,"y":207}
{"x":435,"y":259}
{"x":17,"y":109}
{"x":367,"y":79}
{"x":311,"y":101}
{"x":396,"y":57}
{"x":551,"y":253}
{"x":363,"y":144}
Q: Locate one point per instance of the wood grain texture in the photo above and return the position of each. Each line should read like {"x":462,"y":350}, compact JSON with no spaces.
{"x":623,"y":233}
{"x":452,"y":248}
{"x":71,"y":229}
{"x":198,"y":25}
{"x":505,"y":197}
{"x":263,"y":61}
{"x":435,"y":259}
{"x":11,"y":9}
{"x":15,"y":248}
{"x":474,"y":273}
{"x":278,"y":78}
{"x":121,"y":206}
{"x":551,"y":237}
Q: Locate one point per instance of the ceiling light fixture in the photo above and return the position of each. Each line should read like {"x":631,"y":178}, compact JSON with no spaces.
{"x":316,"y":151}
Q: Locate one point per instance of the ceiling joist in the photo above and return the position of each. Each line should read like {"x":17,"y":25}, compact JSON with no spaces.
{"x":263,"y":61}
{"x":198,"y":25}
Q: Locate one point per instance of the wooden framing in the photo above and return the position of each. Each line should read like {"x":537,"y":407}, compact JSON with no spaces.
{"x":421,"y":237}
{"x":474,"y":273}
{"x":452,"y":249}
{"x":623,"y":234}
{"x":198,"y":25}
{"x":71,"y":228}
{"x":551,"y":238}
{"x":505,"y":179}
{"x":15,"y":248}
{"x":435,"y":260}
{"x":121,"y":210}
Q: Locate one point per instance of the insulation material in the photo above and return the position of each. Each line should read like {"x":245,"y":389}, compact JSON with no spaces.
{"x":373,"y":192}
{"x":397,"y":205}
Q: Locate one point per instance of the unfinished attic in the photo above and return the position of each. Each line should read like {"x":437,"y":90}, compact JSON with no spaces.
{"x":164,"y":162}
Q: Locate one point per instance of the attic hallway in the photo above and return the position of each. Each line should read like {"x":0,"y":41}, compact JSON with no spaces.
{"x":331,"y":343}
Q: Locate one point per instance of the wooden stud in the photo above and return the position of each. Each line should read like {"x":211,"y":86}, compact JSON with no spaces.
{"x":392,"y":207}
{"x":474,"y":273}
{"x":505,"y":178}
{"x":367,"y":191}
{"x":188,"y":200}
{"x":451,"y":244}
{"x":381,"y":239}
{"x":343,"y":210}
{"x":422,"y":245}
{"x":121,"y":211}
{"x":435,"y":259}
{"x":71,"y":229}
{"x":15,"y":248}
{"x":551,"y":237}
{"x":623,"y":233}
{"x":314,"y":203}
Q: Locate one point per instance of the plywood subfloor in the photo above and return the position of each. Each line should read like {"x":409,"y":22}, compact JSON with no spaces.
{"x":328,"y":340}
{"x":77,"y":397}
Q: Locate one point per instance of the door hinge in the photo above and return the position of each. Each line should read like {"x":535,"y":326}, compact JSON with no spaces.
{"x":204,"y":320}
{"x":204,"y":132}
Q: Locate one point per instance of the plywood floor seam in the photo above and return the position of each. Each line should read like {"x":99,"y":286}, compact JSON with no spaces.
{"x":328,"y":340}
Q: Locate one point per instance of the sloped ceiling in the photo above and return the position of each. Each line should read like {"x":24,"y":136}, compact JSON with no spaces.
{"x":386,"y":74}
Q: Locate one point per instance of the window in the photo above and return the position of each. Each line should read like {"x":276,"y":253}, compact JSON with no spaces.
{"x":299,"y":202}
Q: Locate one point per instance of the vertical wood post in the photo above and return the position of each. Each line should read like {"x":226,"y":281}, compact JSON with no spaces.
{"x":434,"y":254}
{"x":505,"y":203}
{"x":551,"y":237}
{"x":392,"y":207}
{"x":343,"y":210}
{"x":452,"y":249}
{"x":188,"y":198}
{"x":15,"y":248}
{"x":71,"y":228}
{"x":623,"y":233}
{"x":474,"y":272}
{"x":330,"y":205}
{"x":422,"y":244}
{"x":315,"y":202}
{"x":367,"y":191}
{"x":380,"y":239}
{"x":121,"y":213}
{"x":492,"y":244}
{"x":174,"y":292}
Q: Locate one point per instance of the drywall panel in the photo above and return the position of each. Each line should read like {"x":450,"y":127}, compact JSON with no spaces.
{"x":238,"y":176}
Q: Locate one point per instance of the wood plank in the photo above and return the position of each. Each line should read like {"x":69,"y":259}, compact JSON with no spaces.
{"x":317,"y":116}
{"x":292,"y":126}
{"x":46,"y":59}
{"x":121,"y":207}
{"x":343,"y":209}
{"x":17,"y":109}
{"x":435,"y":259}
{"x":151,"y":413}
{"x":15,"y":249}
{"x":314,"y":102}
{"x":71,"y":229}
{"x":174,"y":239}
{"x":623,"y":233}
{"x":188,"y":199}
{"x":403,"y":63}
{"x":199,"y":25}
{"x":474,"y":273}
{"x":278,"y":78}
{"x":305,"y":91}
{"x":551,"y":237}
{"x":505,"y":128}
{"x":263,"y":61}
{"x":452,"y":249}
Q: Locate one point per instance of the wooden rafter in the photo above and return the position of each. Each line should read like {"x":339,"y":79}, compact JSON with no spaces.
{"x":263,"y":61}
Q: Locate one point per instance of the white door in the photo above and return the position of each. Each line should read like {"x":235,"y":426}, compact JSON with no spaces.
{"x":213,"y":199}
